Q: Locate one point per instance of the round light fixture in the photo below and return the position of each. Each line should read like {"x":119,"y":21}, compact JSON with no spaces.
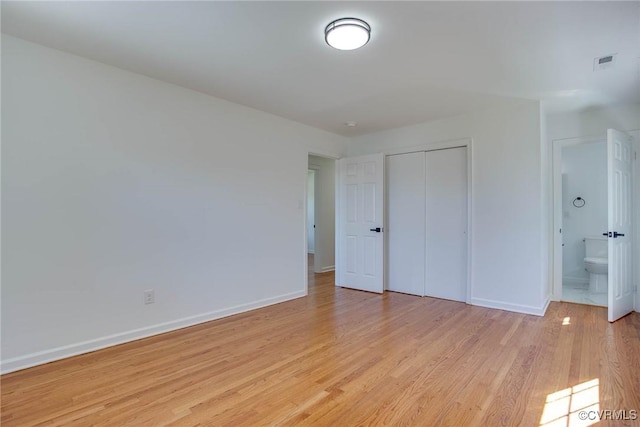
{"x":347,"y":33}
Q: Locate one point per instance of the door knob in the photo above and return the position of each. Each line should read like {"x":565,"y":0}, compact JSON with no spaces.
{"x":616,"y":234}
{"x":605,"y":234}
{"x":377,"y":229}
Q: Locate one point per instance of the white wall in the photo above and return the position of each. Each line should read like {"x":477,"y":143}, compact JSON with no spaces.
{"x":507,"y":210}
{"x":324,"y":213}
{"x":113,"y":183}
{"x":594,"y":122}
{"x":311,"y":235}
{"x":584,"y":174}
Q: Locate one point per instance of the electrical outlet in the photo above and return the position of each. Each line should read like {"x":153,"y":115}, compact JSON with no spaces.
{"x":149,"y":296}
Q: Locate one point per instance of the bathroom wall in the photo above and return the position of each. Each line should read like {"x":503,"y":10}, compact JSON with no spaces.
{"x":584,"y":174}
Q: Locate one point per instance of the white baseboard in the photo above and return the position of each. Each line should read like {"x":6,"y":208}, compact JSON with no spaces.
{"x":46,"y":356}
{"x":517,"y":308}
{"x":327,"y":269}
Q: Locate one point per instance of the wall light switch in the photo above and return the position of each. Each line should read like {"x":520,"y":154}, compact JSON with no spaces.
{"x":149,"y":296}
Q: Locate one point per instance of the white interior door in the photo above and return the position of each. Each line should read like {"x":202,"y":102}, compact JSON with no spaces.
{"x":446,"y":224}
{"x":619,"y":158}
{"x":406,"y":223}
{"x":360,"y":218}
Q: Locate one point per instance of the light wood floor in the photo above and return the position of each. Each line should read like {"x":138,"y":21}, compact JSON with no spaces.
{"x":344,"y":358}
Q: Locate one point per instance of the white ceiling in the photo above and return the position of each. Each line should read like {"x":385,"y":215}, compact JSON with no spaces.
{"x":425,"y":60}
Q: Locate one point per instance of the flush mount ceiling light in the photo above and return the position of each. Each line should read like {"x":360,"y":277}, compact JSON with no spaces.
{"x":347,"y":33}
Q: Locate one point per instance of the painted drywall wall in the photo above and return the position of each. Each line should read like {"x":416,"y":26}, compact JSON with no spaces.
{"x":584,"y":175}
{"x":324,"y":213}
{"x":593,"y":122}
{"x":311,"y":235}
{"x":113,"y":183}
{"x":507,"y":224}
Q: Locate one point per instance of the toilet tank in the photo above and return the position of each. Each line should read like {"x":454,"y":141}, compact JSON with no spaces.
{"x":596,"y":247}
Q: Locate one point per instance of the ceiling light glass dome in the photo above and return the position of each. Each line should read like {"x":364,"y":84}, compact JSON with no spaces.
{"x":347,"y":33}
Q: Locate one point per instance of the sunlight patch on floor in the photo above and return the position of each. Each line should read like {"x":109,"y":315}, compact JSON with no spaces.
{"x":572,"y":406}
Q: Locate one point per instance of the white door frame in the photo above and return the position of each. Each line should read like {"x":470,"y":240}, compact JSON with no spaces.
{"x":442,"y":145}
{"x":556,"y":171}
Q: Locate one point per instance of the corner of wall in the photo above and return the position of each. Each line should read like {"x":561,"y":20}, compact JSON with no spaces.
{"x":515,"y":308}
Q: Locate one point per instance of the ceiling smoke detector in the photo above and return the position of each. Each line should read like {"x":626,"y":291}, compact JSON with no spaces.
{"x":604,"y":62}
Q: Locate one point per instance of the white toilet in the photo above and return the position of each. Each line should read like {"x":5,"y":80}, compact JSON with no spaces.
{"x":596,"y":262}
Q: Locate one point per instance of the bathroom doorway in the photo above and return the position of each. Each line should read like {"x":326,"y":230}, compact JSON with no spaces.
{"x":584,"y":223}
{"x":593,"y":221}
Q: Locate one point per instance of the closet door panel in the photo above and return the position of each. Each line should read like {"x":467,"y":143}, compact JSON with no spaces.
{"x":406,"y":223}
{"x":446,"y":224}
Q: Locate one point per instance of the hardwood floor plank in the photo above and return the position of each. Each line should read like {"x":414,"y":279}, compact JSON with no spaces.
{"x":343,"y":357}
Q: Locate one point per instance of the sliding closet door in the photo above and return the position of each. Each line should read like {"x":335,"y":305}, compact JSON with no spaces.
{"x":406,"y":222}
{"x":446,"y":224}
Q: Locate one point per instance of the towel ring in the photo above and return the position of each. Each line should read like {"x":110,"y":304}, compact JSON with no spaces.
{"x":579,"y":202}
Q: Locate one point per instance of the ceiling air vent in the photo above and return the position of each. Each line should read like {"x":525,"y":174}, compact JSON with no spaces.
{"x":604,"y":62}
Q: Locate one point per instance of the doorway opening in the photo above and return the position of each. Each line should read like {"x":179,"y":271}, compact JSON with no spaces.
{"x":320,"y":214}
{"x":606,"y":275}
{"x":584,"y":223}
